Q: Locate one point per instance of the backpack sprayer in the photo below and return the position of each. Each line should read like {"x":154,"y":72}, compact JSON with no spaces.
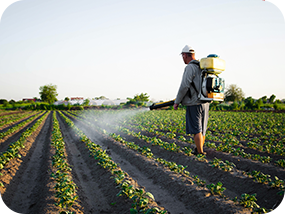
{"x":212,"y":86}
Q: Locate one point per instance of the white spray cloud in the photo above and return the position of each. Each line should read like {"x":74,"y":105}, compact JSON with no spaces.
{"x":105,"y":120}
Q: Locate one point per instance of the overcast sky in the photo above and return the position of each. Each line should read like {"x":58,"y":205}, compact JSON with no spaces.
{"x":119,"y":48}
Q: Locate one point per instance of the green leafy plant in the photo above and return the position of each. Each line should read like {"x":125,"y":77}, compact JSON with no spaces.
{"x":248,"y":201}
{"x":226,"y":166}
{"x":199,"y":181}
{"x":216,"y":189}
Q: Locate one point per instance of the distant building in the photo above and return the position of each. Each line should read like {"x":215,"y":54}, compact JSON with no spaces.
{"x":60,"y":103}
{"x":76,"y":98}
{"x":29,"y":99}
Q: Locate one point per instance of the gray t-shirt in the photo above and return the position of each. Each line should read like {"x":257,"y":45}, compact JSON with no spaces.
{"x":192,"y":73}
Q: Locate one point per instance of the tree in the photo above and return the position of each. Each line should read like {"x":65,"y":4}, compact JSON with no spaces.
{"x":3,"y":101}
{"x":66,"y":98}
{"x":143,"y":97}
{"x":272,"y":98}
{"x":48,"y":93}
{"x":235,"y":106}
{"x":101,"y":98}
{"x":234,"y":93}
{"x":249,"y":102}
{"x":264,"y":99}
{"x":86,"y":102}
{"x":138,"y":99}
{"x":258,"y":104}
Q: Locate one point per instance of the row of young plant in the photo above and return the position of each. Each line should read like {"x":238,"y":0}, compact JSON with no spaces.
{"x":14,"y":148}
{"x":17,"y":127}
{"x":12,"y":114}
{"x":65,"y":187}
{"x":258,"y":176}
{"x":252,"y":127}
{"x":139,"y":196}
{"x":248,"y":201}
{"x":6,"y":114}
{"x":152,"y":121}
{"x":7,"y":119}
{"x":228,"y":144}
{"x":226,"y":147}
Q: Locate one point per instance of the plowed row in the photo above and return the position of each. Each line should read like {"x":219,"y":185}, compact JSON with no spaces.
{"x":29,"y":187}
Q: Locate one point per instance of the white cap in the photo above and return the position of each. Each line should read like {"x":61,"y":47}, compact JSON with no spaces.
{"x":187,"y":49}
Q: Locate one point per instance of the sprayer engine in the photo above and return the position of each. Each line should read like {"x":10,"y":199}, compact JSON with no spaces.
{"x":212,"y":86}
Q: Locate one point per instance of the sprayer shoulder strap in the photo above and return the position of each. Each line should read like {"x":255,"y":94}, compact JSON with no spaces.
{"x":197,"y":63}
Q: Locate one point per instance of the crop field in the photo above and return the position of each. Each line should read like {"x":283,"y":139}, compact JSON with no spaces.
{"x":139,"y":161}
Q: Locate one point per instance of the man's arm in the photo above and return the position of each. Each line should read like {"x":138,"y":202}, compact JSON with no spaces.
{"x":187,"y":78}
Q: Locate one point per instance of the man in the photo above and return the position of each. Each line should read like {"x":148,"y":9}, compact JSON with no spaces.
{"x":197,"y":112}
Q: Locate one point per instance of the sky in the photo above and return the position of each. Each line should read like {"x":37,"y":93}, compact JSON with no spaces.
{"x":120,"y":48}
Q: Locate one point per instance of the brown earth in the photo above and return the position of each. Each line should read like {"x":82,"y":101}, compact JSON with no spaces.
{"x":28,"y":187}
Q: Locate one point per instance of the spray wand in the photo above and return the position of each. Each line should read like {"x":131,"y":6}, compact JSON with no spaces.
{"x":162,"y":104}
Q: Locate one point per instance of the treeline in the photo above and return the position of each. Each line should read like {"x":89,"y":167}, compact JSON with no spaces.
{"x":142,"y":100}
{"x":249,"y":104}
{"x":46,"y":106}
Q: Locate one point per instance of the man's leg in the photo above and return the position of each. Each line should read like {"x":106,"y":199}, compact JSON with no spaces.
{"x":199,"y":140}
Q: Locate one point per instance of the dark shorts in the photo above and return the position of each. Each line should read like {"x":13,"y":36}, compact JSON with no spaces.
{"x":197,"y":119}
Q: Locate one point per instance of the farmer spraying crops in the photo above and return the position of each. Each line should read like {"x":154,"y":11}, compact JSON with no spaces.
{"x":197,"y":112}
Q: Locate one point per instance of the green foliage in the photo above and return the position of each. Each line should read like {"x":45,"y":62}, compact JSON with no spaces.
{"x":139,"y":99}
{"x":48,"y":93}
{"x":260,"y":177}
{"x":248,"y":201}
{"x":281,"y":163}
{"x":101,"y":98}
{"x":3,"y":101}
{"x":235,"y":106}
{"x":234,"y":93}
{"x":257,"y":105}
{"x":199,"y":181}
{"x":13,"y":150}
{"x":226,"y":166}
{"x":86,"y":102}
{"x":249,"y":103}
{"x":65,"y":187}
{"x":264,"y":99}
{"x":216,"y":189}
{"x":272,"y":98}
{"x":276,"y":106}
